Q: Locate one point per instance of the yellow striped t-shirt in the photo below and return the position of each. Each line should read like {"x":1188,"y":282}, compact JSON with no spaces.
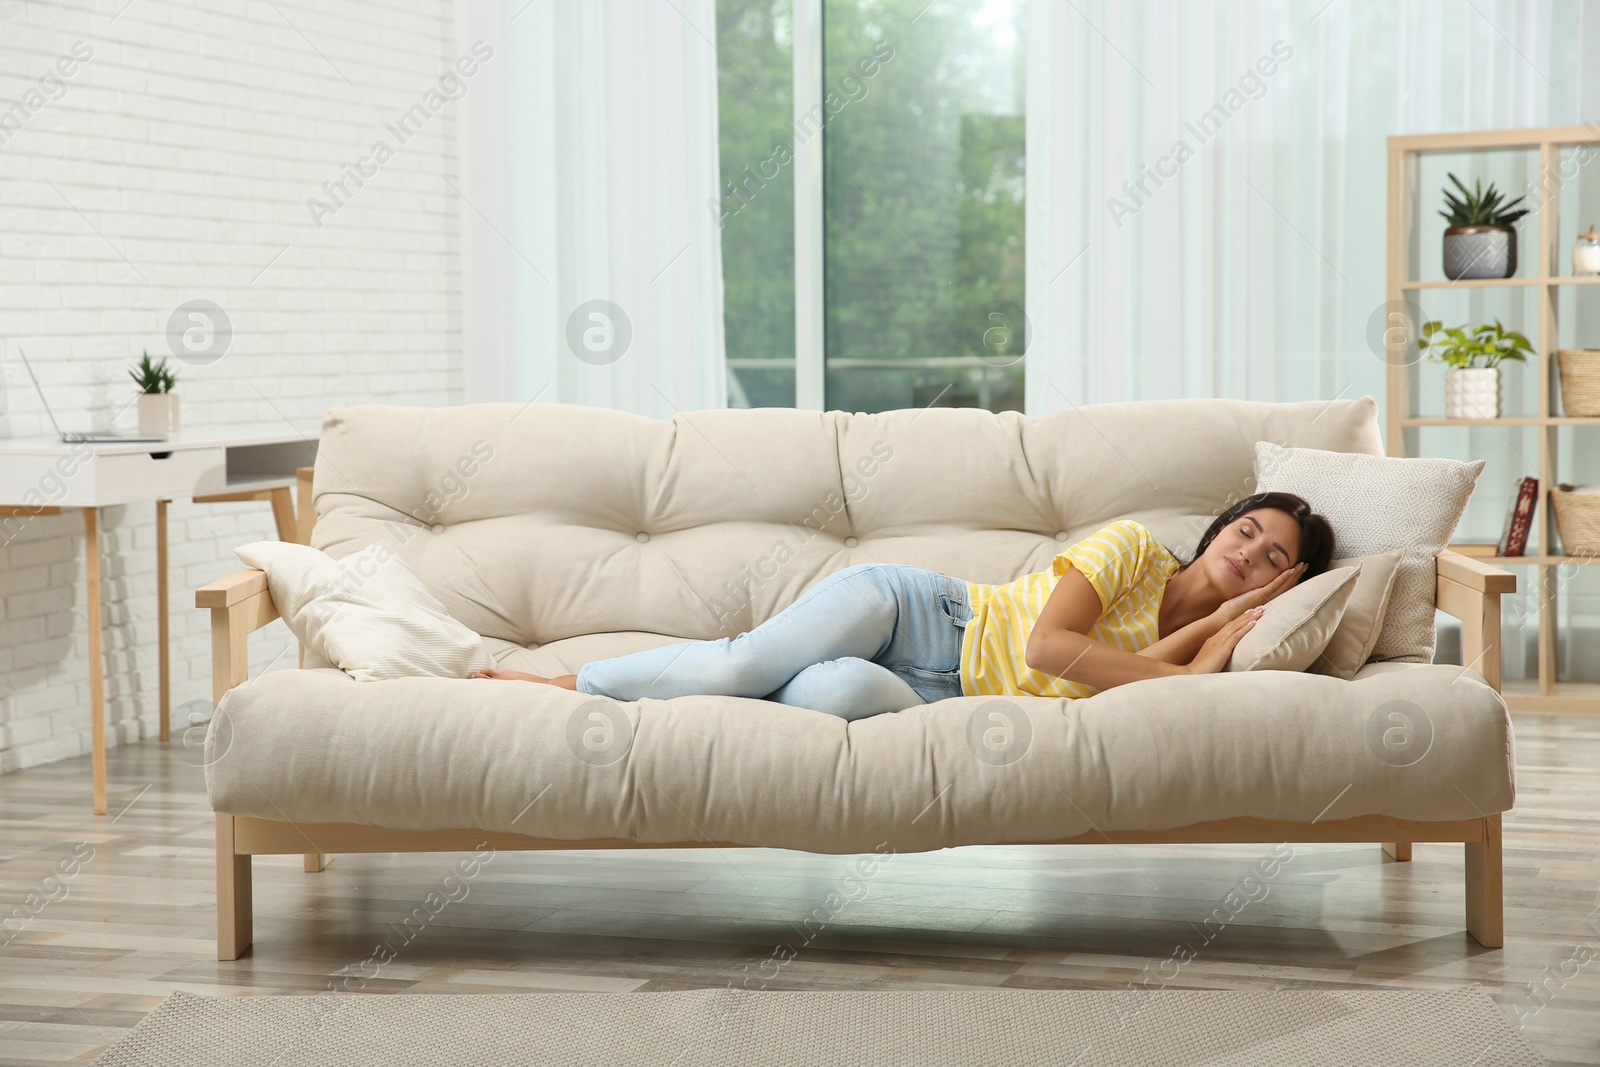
{"x":1126,"y":565}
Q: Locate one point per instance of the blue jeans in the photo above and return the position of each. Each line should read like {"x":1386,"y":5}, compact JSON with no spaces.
{"x":867,"y":639}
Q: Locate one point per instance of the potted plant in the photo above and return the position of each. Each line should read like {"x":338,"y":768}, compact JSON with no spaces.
{"x":1472,"y":384}
{"x":158,"y":406}
{"x":1480,"y":241}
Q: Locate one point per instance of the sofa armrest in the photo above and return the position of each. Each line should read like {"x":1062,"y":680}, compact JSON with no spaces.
{"x":1469,"y":589}
{"x":1474,"y":573}
{"x":240,"y":604}
{"x":231,"y":590}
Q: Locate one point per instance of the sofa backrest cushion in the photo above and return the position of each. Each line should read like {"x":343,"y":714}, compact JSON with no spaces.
{"x":536,"y":522}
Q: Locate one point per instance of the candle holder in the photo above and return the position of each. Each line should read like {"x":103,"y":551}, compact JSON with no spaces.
{"x":1586,"y":253}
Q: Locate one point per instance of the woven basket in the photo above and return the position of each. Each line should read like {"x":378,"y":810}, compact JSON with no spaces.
{"x":1580,"y":381}
{"x":1577,"y":519}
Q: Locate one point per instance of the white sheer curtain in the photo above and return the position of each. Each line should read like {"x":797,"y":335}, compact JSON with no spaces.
{"x":1250,"y":264}
{"x":1250,"y":268}
{"x":589,"y":153}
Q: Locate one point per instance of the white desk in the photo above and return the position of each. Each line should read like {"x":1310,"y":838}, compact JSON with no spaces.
{"x":40,"y":476}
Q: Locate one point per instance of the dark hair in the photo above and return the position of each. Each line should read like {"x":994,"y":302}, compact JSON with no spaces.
{"x":1316,"y":535}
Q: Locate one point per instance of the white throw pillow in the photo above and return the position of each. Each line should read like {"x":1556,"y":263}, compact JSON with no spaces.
{"x":367,"y":613}
{"x":1297,"y":625}
{"x":1363,"y":616}
{"x":1378,"y":504}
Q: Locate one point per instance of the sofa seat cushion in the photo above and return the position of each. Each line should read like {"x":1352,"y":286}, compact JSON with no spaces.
{"x":1414,"y":741}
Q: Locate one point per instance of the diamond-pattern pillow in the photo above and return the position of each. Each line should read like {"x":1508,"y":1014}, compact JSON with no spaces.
{"x":1378,"y":504}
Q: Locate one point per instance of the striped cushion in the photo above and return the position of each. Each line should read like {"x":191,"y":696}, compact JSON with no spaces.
{"x":367,"y":613}
{"x":1358,"y":630}
{"x":1297,"y":625}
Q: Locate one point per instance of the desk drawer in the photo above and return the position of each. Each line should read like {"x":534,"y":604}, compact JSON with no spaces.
{"x":171,"y":474}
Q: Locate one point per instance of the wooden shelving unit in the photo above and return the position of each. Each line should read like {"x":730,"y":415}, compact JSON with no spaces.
{"x":1412,"y":220}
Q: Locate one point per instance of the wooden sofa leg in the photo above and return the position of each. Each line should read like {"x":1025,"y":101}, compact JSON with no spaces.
{"x":233,"y":894}
{"x":1399,"y":851}
{"x":1485,"y":887}
{"x":315,"y":861}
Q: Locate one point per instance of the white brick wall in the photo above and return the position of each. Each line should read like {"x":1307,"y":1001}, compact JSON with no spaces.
{"x":176,"y":163}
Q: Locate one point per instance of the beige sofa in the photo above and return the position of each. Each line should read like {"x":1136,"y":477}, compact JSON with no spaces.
{"x":566,"y":533}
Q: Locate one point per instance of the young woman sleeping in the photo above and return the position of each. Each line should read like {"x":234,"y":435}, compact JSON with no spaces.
{"x":1114,"y":608}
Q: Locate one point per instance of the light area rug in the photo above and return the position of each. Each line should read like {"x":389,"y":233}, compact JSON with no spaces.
{"x":1453,"y":1026}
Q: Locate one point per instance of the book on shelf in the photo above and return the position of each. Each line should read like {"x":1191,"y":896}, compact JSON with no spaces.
{"x":1519,"y":517}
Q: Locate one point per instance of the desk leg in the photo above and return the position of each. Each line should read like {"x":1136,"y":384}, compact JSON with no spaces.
{"x":161,"y":619}
{"x":97,"y":681}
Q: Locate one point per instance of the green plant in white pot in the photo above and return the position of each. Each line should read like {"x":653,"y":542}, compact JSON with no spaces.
{"x":158,"y":405}
{"x":1472,"y":384}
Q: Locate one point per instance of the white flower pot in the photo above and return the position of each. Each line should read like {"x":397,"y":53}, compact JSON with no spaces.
{"x":158,"y":414}
{"x":1472,"y":393}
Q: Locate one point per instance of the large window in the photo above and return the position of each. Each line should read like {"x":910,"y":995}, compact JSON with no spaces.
{"x":755,"y":101}
{"x":920,"y":121}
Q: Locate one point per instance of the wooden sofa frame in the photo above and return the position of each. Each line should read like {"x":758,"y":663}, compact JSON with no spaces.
{"x":1466,"y":589}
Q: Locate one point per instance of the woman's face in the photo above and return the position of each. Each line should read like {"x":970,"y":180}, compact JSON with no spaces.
{"x":1252,"y":550}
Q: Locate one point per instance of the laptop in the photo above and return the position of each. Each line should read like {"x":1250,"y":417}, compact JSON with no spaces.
{"x":80,"y":438}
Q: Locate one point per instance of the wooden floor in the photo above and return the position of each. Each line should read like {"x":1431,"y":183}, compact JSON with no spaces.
{"x":135,"y":920}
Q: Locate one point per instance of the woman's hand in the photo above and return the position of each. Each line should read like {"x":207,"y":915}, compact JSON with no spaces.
{"x":1255,"y":598}
{"x":1213,"y":655}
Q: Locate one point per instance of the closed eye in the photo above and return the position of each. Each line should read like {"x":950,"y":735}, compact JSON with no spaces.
{"x":1270,"y":558}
